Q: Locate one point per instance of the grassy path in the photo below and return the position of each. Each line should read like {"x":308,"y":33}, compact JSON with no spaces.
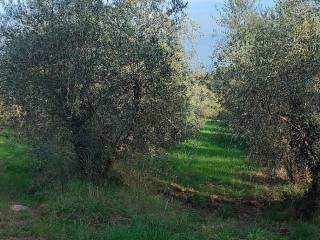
{"x":209,"y":163}
{"x":214,"y":162}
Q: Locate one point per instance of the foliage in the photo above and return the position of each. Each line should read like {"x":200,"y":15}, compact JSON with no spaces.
{"x":268,"y":78}
{"x":204,"y":103}
{"x":95,"y":79}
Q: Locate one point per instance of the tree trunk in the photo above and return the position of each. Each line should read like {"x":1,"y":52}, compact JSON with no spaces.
{"x":309,"y":203}
{"x":123,"y":142}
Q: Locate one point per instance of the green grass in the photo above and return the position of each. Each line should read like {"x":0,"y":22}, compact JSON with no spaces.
{"x":214,"y":162}
{"x":211,"y":163}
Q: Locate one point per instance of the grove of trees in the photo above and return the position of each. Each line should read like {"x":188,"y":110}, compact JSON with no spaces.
{"x":99,"y":80}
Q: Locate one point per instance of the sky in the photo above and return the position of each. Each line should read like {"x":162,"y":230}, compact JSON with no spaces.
{"x":206,"y":13}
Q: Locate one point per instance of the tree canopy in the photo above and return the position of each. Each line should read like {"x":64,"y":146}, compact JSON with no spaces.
{"x":268,"y":77}
{"x":98,"y":78}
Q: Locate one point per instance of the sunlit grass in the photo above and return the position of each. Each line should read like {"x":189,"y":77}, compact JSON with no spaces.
{"x":215,"y":162}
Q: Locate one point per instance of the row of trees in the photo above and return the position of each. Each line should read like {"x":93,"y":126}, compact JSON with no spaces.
{"x":102,"y":79}
{"x":268,"y":77}
{"x":97,"y":79}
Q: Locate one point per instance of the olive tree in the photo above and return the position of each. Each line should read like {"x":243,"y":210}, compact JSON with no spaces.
{"x":102,"y":78}
{"x":268,"y":78}
{"x":204,"y":103}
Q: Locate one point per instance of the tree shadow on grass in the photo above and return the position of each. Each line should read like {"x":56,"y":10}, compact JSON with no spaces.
{"x":214,"y":161}
{"x":213,"y":151}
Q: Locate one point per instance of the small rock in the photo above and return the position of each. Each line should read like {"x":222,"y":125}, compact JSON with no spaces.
{"x":19,"y":208}
{"x":215,"y":198}
{"x":177,"y":187}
